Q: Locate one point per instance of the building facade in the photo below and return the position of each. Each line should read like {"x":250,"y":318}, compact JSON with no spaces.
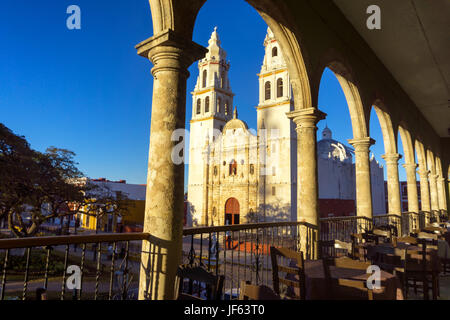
{"x":237,"y":175}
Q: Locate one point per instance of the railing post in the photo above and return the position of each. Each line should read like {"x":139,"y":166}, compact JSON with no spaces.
{"x":171,"y":55}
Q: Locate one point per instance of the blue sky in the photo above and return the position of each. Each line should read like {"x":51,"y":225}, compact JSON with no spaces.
{"x":88,"y":91}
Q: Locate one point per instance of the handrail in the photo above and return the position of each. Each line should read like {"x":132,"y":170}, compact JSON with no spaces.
{"x":238,"y":227}
{"x":74,"y":239}
{"x":345,"y":218}
{"x":389,"y":215}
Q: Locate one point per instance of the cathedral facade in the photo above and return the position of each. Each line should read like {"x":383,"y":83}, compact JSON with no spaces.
{"x":237,"y":175}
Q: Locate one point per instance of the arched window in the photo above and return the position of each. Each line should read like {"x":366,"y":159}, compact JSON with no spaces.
{"x":267,"y":90}
{"x":215,"y":170}
{"x":207,"y":105}
{"x":252,"y":169}
{"x":205,"y":75}
{"x":274,"y":52}
{"x":219,"y":105}
{"x":233,"y":168}
{"x":199,"y":106}
{"x":279,"y":88}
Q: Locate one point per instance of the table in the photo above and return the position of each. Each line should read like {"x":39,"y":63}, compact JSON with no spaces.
{"x":316,"y":284}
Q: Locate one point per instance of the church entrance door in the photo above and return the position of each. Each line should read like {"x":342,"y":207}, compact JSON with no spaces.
{"x":231,"y":212}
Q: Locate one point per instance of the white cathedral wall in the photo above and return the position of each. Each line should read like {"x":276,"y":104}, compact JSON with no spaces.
{"x":336,"y":179}
{"x":378,"y":193}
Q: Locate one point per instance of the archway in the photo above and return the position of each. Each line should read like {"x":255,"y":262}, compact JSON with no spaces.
{"x":232,"y":211}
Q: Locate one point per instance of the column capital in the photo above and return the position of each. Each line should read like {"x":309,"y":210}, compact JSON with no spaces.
{"x":424,"y":173}
{"x":391,"y":158}
{"x":168,"y":50}
{"x":410,"y":166}
{"x":306,"y":118}
{"x":361,"y":144}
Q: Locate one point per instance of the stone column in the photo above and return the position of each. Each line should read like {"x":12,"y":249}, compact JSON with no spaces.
{"x":413,"y":200}
{"x":171,"y":56}
{"x":393,"y":185}
{"x":432,"y":178}
{"x":362,"y":172}
{"x":443,"y":196}
{"x":424,"y":190}
{"x":308,"y":186}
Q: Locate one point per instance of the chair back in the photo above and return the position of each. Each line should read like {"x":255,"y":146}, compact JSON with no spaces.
{"x":200,"y":283}
{"x":426,"y":235}
{"x":386,"y":234}
{"x":294,"y":271}
{"x":333,"y":285}
{"x":407,"y":239}
{"x":253,"y":292}
{"x":335,"y":248}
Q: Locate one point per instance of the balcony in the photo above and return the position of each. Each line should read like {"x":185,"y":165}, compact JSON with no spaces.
{"x":108,"y":265}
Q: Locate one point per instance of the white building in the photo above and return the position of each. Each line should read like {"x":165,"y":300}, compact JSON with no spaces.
{"x":237,"y":175}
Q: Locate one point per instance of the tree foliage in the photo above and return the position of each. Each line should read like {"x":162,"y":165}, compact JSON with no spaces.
{"x":36,"y":187}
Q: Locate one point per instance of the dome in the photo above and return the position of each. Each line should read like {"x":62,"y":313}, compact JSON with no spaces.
{"x":330,"y":148}
{"x":326,"y":133}
{"x":235,"y":124}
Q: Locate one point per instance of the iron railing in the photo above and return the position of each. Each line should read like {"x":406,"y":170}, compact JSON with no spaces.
{"x":392,"y":221}
{"x":341,"y":228}
{"x":238,"y":252}
{"x":109,"y":268}
{"x":242,"y":252}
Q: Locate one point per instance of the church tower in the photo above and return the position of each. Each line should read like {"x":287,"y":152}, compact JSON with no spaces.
{"x":276,"y":131}
{"x":212,"y":101}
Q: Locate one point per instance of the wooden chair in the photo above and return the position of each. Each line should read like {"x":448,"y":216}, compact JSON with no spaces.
{"x":252,"y":292}
{"x":386,"y":257}
{"x":407,"y":239}
{"x":332,"y":248}
{"x":206,"y":282}
{"x":434,"y":230}
{"x":295,"y":272}
{"x":359,"y":251}
{"x":426,"y":235}
{"x":333,"y":284}
{"x":418,"y":266}
{"x":386,"y":235}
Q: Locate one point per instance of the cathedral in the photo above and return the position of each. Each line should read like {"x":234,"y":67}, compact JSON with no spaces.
{"x":239,"y":175}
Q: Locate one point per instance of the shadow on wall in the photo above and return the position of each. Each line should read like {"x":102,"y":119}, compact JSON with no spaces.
{"x":270,"y":213}
{"x":190,"y":219}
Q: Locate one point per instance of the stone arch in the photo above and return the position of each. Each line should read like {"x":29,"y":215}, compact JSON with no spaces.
{"x":421,"y":156}
{"x":344,"y":75}
{"x":438,"y":166}
{"x":387,"y":130}
{"x":430,"y":161}
{"x":408,"y":147}
{"x":180,"y":16}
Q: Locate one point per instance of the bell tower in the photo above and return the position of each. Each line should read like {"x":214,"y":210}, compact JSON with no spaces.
{"x":276,"y":130}
{"x":212,"y":101}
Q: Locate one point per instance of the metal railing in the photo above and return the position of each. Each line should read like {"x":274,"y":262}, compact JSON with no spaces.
{"x":341,"y":228}
{"x":392,"y":221}
{"x":109,"y":268}
{"x":238,"y":252}
{"x":242,"y":252}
